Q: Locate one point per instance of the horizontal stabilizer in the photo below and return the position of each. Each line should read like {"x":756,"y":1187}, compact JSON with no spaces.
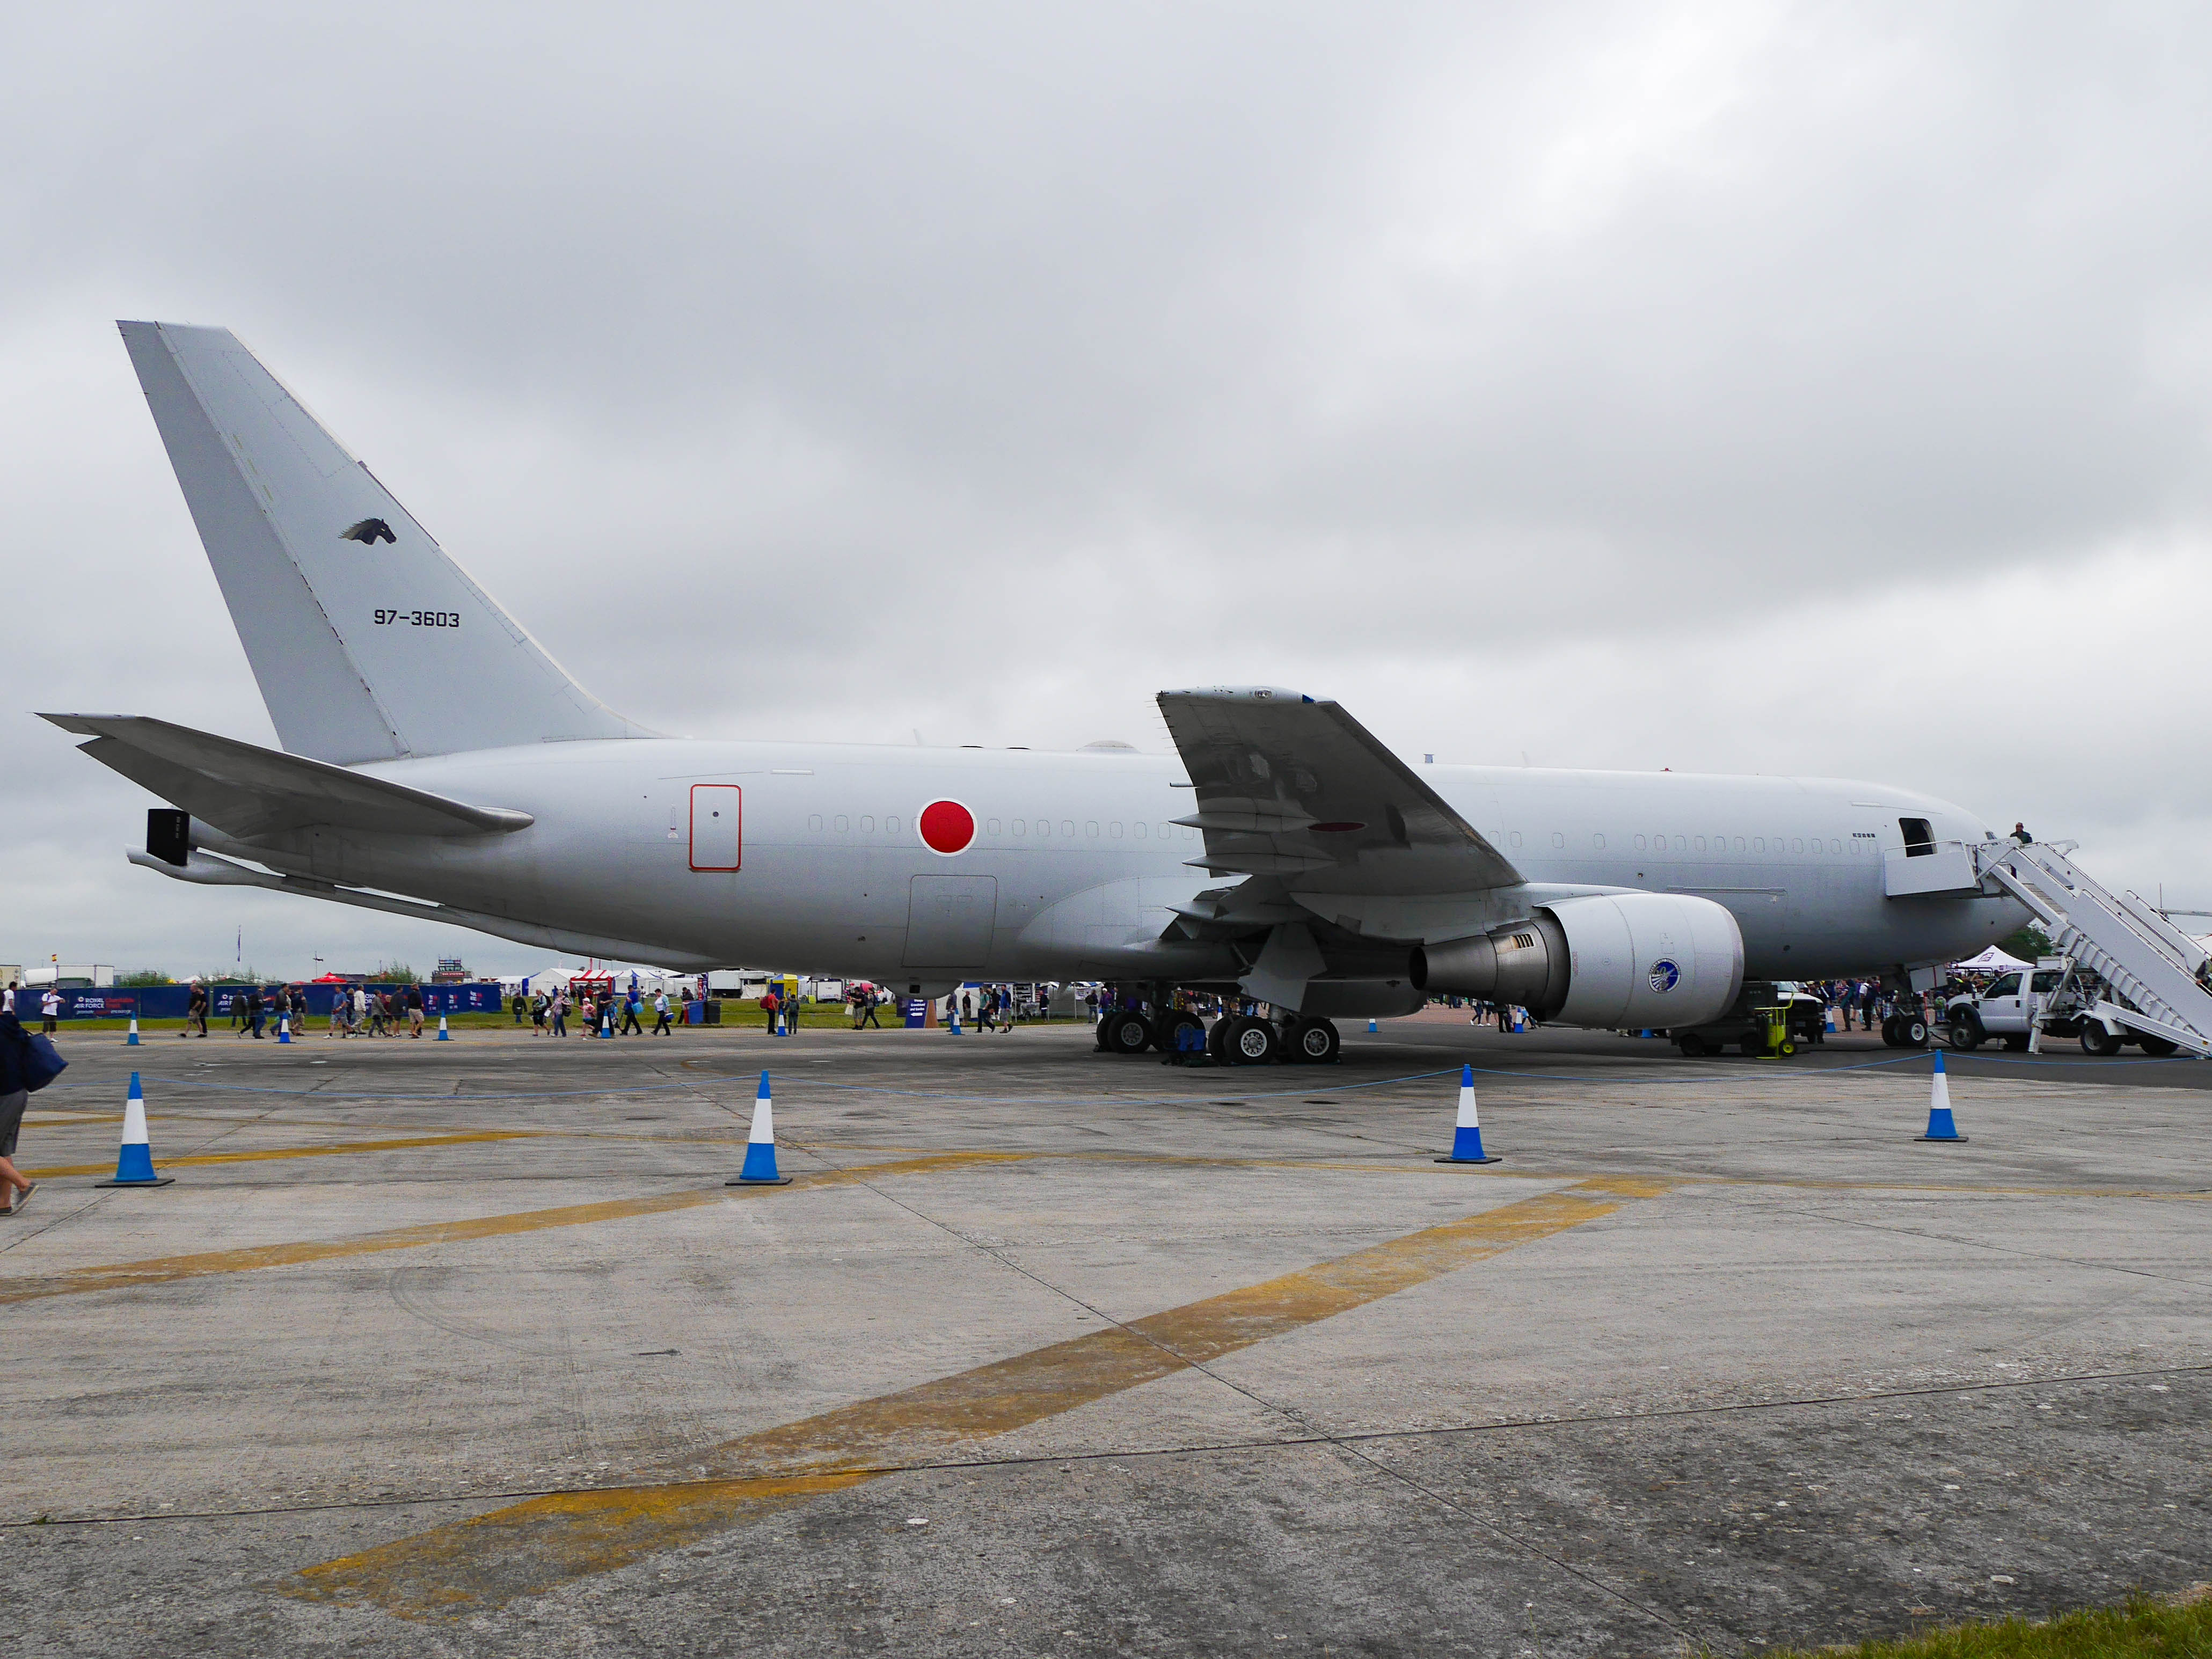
{"x":248,"y":791}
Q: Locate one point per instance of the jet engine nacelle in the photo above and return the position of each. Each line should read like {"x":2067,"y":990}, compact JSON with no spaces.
{"x":1624,"y":961}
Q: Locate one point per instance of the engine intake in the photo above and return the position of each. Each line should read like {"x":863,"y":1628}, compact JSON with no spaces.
{"x":1610,"y":961}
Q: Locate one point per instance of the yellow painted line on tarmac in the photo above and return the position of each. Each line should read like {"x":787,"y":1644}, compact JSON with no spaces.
{"x":162,"y":1270}
{"x":465,"y":1568}
{"x":266,"y":1154}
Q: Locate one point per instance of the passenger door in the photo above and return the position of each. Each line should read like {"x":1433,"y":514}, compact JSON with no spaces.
{"x":717,"y":826}
{"x":2003,"y":1009}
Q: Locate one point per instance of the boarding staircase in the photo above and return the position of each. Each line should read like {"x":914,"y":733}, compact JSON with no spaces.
{"x":2157,"y":972}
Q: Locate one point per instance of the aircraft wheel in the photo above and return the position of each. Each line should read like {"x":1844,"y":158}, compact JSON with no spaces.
{"x":1315,"y":1043}
{"x":1967,"y":1034}
{"x":2096,"y":1040}
{"x":1253,"y":1042}
{"x":1889,"y":1031}
{"x":1912,"y":1033}
{"x":1128,"y":1032}
{"x":2157,"y":1047}
{"x":1217,"y":1038}
{"x":1164,"y":1033}
{"x":1692,"y":1045}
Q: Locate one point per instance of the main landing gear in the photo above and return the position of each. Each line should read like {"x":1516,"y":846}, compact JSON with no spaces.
{"x":1232,"y":1040}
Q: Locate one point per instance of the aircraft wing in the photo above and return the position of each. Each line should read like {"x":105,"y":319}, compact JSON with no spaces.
{"x":249,"y":792}
{"x":1295,"y":788}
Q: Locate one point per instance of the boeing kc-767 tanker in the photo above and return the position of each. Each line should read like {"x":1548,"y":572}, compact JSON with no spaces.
{"x":438,"y":764}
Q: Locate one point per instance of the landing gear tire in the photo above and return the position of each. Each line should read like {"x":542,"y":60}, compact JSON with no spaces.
{"x":2157,"y":1047}
{"x":1692,"y":1045}
{"x":1253,"y":1042}
{"x":1314,"y":1043}
{"x":1967,"y":1034}
{"x":1889,"y":1037}
{"x":1164,"y":1033}
{"x":2096,"y":1040}
{"x":1217,"y":1039}
{"x":1912,"y":1033}
{"x":1126,"y":1032}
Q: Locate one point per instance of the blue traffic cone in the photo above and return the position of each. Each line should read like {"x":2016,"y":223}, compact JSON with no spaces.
{"x":132,"y":1041}
{"x":760,"y":1146}
{"x":444,"y":1035}
{"x":1467,"y":1137}
{"x":134,"y":1160}
{"x":1940,"y":1126}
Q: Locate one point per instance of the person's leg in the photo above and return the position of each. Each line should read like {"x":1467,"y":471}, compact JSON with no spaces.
{"x":12,"y":1184}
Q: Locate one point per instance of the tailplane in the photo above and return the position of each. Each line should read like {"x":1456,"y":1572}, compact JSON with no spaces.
{"x":369,"y":642}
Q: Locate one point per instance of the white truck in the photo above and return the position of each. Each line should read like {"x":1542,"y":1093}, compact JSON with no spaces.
{"x":2055,"y":997}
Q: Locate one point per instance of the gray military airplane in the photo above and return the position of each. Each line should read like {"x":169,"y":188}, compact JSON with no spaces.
{"x":438,"y":764}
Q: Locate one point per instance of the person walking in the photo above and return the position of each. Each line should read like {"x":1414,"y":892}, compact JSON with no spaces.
{"x":660,"y":1025}
{"x":561,"y":1011}
{"x":196,"y":1010}
{"x":14,"y":1096}
{"x":630,"y":1027}
{"x":521,"y":1006}
{"x":870,"y":1002}
{"x":247,"y":1005}
{"x":415,"y":1011}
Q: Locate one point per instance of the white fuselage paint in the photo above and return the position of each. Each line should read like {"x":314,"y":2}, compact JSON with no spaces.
{"x":1076,"y":862}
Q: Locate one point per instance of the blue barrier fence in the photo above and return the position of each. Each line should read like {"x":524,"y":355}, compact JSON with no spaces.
{"x":170,"y":1001}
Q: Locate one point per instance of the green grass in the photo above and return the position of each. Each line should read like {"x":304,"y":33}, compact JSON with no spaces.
{"x":2144,"y":1629}
{"x":822,"y":1018}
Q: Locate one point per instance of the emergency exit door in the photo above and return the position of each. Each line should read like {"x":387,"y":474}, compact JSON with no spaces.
{"x":717,"y":826}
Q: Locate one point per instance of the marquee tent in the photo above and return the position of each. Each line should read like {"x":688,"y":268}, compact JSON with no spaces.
{"x":1991,"y":961}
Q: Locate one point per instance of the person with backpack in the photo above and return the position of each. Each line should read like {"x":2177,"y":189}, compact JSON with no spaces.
{"x":25,"y":1065}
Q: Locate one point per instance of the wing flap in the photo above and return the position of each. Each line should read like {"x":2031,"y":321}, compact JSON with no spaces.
{"x":1290,"y":787}
{"x":249,"y":792}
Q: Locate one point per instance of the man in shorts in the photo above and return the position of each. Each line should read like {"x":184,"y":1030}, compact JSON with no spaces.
{"x":14,"y":1049}
{"x":415,"y":1011}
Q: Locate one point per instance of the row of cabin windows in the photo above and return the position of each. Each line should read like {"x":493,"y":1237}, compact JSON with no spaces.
{"x":1796,"y":844}
{"x":842,"y":825}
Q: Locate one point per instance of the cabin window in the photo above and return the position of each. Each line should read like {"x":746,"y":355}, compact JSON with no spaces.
{"x":1091,"y":828}
{"x":891,"y":826}
{"x":1701,"y":843}
{"x":843,"y":824}
{"x":1639,"y":844}
{"x":868,"y":826}
{"x":1558,"y":839}
{"x":814,"y":823}
{"x":1021,"y":827}
{"x":1797,"y":845}
{"x":1759,"y":843}
{"x":2007,"y":986}
{"x":1068,"y":828}
{"x":1167,"y":832}
{"x":1682,"y":845}
{"x":991,"y":827}
{"x":1739,"y":844}
{"x":1598,"y":841}
{"x":1835,"y":847}
{"x":1515,"y":838}
{"x":1919,"y":838}
{"x":1142,"y":830}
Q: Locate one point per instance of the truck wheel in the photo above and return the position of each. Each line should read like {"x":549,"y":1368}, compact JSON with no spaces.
{"x":1912,"y":1032}
{"x":2096,"y":1040}
{"x":1692,"y":1045}
{"x":1967,"y":1034}
{"x":2157,"y":1047}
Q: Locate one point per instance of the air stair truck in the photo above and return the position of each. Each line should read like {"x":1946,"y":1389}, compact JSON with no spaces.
{"x":2122,"y":972}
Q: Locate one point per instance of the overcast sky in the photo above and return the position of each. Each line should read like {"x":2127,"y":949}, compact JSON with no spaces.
{"x":1739,"y":388}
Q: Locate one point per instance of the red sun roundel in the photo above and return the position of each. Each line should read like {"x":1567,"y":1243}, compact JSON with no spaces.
{"x":946,"y":826}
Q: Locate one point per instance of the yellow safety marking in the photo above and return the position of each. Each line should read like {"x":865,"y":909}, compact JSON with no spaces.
{"x":300,"y":1151}
{"x":161,"y":1270}
{"x":465,"y":1567}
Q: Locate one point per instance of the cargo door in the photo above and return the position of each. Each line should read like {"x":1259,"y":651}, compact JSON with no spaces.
{"x":717,"y":826}
{"x":948,"y":920}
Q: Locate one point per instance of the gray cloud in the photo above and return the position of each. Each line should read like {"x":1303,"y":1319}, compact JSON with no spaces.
{"x":1815,"y":388}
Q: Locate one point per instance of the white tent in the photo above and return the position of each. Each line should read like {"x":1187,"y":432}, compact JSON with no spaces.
{"x":1991,"y":961}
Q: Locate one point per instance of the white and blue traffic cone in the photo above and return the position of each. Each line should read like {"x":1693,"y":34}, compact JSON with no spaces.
{"x":134,"y":1160}
{"x":607,"y":1024}
{"x":1832,"y":1022}
{"x":1940,"y":1126}
{"x":779,"y":1028}
{"x":444,"y":1035}
{"x":759,"y":1168}
{"x":1373,"y":1029}
{"x":1467,"y":1137}
{"x":283,"y":1028}
{"x":132,"y":1041}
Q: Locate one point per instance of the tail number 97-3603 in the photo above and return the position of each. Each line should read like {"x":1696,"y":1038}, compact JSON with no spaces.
{"x":419,"y":618}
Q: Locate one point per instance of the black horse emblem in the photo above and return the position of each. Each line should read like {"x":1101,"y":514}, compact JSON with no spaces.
{"x":368,"y":532}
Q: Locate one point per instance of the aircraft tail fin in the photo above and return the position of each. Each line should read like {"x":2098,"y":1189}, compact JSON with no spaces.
{"x":369,"y":642}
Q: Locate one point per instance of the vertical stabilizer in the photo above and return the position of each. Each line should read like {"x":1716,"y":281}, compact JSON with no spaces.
{"x":369,"y":642}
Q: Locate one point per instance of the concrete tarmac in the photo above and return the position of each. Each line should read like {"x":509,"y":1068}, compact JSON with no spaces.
{"x":465,"y":1348}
